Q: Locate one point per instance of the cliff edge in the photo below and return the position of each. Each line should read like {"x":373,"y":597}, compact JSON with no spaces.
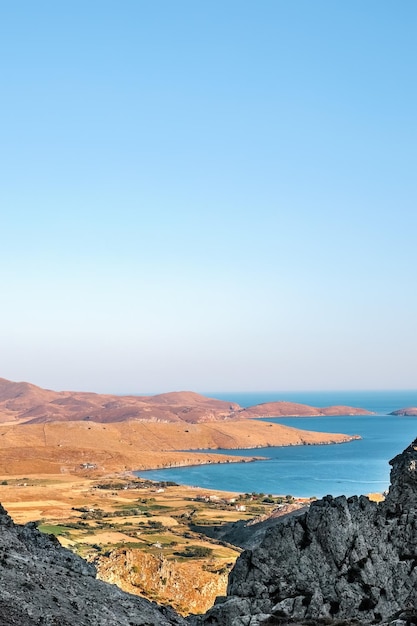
{"x":344,"y":559}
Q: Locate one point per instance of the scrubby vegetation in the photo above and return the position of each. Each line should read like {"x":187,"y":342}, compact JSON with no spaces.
{"x":110,"y":518}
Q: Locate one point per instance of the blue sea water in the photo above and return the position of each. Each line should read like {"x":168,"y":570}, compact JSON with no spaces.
{"x":380,"y":402}
{"x":358,"y":467}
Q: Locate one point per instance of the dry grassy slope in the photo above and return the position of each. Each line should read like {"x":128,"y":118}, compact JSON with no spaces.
{"x":23,"y":402}
{"x":62,"y":447}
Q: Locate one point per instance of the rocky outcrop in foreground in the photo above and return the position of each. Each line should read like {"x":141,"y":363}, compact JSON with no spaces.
{"x":344,"y":559}
{"x":45,"y":584}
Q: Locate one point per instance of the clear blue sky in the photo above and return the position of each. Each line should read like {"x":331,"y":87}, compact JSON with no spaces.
{"x":208,"y":195}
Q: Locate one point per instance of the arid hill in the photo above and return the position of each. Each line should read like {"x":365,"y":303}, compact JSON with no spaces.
{"x":23,"y":402}
{"x":44,"y":431}
{"x":74,"y":447}
{"x":408,"y":412}
{"x":293,"y":409}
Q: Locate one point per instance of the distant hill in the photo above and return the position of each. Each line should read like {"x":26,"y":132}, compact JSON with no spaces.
{"x":293,"y":409}
{"x":23,"y":402}
{"x":91,"y":447}
{"x":44,"y":431}
{"x":411,"y":411}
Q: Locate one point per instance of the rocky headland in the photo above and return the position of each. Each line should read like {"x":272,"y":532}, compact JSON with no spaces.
{"x":91,"y":448}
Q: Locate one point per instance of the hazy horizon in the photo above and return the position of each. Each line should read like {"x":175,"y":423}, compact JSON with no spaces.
{"x":212,"y":393}
{"x":209,"y":195}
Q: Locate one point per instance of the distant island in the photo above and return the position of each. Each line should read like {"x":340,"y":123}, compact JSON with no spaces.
{"x":293,"y":409}
{"x":408,"y":412}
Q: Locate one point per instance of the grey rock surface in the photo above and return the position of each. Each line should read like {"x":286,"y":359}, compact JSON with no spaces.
{"x":344,"y":559}
{"x":248,"y":534}
{"x":42,"y":583}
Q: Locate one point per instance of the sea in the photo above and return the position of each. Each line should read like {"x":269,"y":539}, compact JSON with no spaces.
{"x":354,"y":468}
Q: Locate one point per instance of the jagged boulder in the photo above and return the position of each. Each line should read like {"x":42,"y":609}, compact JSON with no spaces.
{"x":344,"y":559}
{"x":42,"y":583}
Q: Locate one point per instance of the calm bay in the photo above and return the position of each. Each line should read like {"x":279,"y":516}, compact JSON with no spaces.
{"x":358,"y":467}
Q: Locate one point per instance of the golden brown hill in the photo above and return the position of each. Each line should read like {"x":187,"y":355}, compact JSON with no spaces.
{"x":91,"y":447}
{"x":23,"y":402}
{"x":293,"y":409}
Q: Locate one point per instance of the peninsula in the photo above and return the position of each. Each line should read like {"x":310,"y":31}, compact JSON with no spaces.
{"x":51,"y":432}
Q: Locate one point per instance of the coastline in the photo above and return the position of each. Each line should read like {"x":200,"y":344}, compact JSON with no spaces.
{"x":218,"y":458}
{"x":92,"y":448}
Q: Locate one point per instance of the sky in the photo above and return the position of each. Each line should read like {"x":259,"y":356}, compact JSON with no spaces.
{"x":208,"y":195}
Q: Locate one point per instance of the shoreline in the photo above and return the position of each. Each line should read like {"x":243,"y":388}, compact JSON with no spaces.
{"x":95,"y":448}
{"x":184,"y":459}
{"x":224,"y":458}
{"x":19,"y":490}
{"x":285,"y":473}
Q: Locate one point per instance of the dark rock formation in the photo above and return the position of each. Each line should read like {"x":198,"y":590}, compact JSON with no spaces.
{"x":42,"y":583}
{"x":248,"y":534}
{"x":344,"y":559}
